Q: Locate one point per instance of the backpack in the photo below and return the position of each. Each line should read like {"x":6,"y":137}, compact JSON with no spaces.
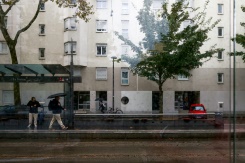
{"x":50,"y":105}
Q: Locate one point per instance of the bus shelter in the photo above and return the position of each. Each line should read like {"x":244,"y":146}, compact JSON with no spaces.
{"x":42,"y":73}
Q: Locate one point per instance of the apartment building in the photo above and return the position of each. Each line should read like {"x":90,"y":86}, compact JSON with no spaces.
{"x":56,"y":34}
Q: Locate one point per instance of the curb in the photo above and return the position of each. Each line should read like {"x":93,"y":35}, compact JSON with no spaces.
{"x":119,"y":134}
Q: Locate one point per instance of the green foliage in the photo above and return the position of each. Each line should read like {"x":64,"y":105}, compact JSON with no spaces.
{"x":181,"y":48}
{"x":179,"y":52}
{"x":84,"y":9}
{"x":240,"y":39}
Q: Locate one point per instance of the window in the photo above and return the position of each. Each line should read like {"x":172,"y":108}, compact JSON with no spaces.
{"x":220,"y":8}
{"x":220,"y":78}
{"x":70,"y":23}
{"x":101,"y":25}
{"x":41,"y":53}
{"x":101,"y":4}
{"x":73,"y":1}
{"x":220,"y":55}
{"x":182,"y":77}
{"x":5,"y":21}
{"x":42,"y":6}
{"x":101,"y":49}
{"x":8,"y":97}
{"x":188,"y":3}
{"x":186,"y":23}
{"x":125,"y":7}
{"x":157,"y":4}
{"x":3,"y":48}
{"x":101,"y":73}
{"x":220,"y":32}
{"x":70,"y":46}
{"x":124,"y":76}
{"x":41,"y":29}
{"x":125,"y":24}
{"x":125,"y":49}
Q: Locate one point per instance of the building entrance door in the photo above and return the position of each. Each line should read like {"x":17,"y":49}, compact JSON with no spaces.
{"x":82,"y":99}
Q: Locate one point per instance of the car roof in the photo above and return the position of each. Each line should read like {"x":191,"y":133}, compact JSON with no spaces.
{"x":197,"y":105}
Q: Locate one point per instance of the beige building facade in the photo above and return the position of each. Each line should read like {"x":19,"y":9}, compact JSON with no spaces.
{"x":48,"y":41}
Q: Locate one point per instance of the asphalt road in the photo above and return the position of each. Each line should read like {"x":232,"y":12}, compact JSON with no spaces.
{"x":77,"y":150}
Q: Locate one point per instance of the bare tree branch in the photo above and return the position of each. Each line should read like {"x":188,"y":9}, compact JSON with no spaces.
{"x":10,"y":6}
{"x":30,"y":23}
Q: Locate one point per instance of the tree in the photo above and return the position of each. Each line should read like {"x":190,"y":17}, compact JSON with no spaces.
{"x":83,"y":11}
{"x":179,"y":50}
{"x":240,"y":39}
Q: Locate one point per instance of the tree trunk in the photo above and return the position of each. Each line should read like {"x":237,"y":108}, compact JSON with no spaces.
{"x":160,"y":99}
{"x":17,"y":100}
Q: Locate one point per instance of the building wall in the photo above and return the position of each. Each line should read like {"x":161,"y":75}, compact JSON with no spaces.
{"x":204,"y":79}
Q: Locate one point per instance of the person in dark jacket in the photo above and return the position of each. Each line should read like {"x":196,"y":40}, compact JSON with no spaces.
{"x":56,"y":108}
{"x":33,"y":111}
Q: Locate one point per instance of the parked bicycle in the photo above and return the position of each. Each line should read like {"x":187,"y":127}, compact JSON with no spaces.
{"x":114,"y":111}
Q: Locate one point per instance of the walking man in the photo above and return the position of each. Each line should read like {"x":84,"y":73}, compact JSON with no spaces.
{"x":33,"y":111}
{"x":56,"y":108}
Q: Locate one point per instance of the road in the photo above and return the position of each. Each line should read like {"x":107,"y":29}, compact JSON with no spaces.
{"x":107,"y":150}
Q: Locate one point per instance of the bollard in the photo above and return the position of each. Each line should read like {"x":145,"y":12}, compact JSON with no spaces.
{"x":219,"y":121}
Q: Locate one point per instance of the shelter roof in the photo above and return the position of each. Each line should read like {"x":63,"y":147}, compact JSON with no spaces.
{"x":33,"y":69}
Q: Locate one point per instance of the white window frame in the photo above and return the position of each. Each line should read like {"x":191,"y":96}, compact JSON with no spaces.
{"x":220,"y":53}
{"x":182,"y":77}
{"x":220,"y":9}
{"x":70,"y":24}
{"x":101,"y":48}
{"x":186,"y":23}
{"x":101,"y":73}
{"x":101,"y":4}
{"x":220,"y":78}
{"x":3,"y":47}
{"x":221,"y":29}
{"x":125,"y":7}
{"x":42,"y":31}
{"x":125,"y":49}
{"x":67,"y":47}
{"x":157,"y":4}
{"x":124,"y":79}
{"x":101,"y":26}
{"x":125,"y":28}
{"x":42,"y":6}
{"x":41,"y":53}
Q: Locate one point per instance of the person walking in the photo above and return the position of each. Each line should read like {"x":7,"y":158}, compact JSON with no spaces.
{"x":56,"y":108}
{"x":33,"y":111}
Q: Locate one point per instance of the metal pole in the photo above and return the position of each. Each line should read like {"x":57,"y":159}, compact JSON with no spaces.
{"x":113,"y":59}
{"x":113,"y":86}
{"x":234,"y":81}
{"x":71,"y":88}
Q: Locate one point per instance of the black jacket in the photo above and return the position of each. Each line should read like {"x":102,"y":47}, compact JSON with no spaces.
{"x":33,"y":106}
{"x":55,"y":106}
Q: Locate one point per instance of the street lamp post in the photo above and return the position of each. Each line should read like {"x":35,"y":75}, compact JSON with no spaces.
{"x":71,"y":88}
{"x":113,"y":59}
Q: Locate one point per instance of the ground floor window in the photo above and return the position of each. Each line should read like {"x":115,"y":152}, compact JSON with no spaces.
{"x":102,"y":95}
{"x":8,"y":97}
{"x":155,"y":100}
{"x":183,"y":99}
{"x":82,"y":99}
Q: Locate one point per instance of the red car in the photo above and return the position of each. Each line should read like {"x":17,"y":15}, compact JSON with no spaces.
{"x":197,"y":111}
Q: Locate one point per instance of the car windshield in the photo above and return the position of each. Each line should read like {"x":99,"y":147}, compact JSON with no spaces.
{"x":197,"y":108}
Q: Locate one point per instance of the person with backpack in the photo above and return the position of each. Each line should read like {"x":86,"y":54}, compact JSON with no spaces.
{"x":33,"y":111}
{"x":56,"y":108}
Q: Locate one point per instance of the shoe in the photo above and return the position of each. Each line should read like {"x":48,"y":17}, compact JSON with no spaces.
{"x":64,"y":128}
{"x":28,"y":126}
